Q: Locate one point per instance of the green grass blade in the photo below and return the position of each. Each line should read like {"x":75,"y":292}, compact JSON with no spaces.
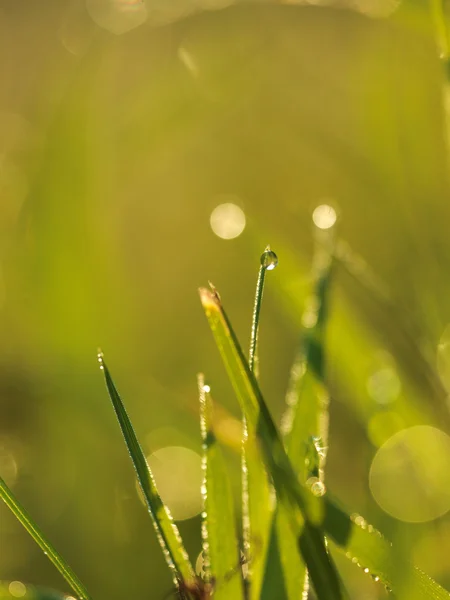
{"x":166,"y":530}
{"x":220,"y":543}
{"x":303,"y":509}
{"x":257,"y":494}
{"x":24,"y":518}
{"x":307,"y":398}
{"x":352,"y":535}
{"x":365,"y":546}
{"x":258,"y":505}
{"x":285,"y":576}
{"x":306,"y":416}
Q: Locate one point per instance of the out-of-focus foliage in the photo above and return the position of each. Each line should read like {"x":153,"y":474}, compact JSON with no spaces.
{"x":115,"y":148}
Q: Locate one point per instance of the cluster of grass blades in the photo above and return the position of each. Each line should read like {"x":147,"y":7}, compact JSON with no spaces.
{"x":290,"y":520}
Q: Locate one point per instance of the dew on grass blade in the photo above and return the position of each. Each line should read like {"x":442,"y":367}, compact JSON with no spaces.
{"x":316,"y":486}
{"x":269,"y":260}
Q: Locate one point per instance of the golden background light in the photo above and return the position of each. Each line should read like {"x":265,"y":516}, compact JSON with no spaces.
{"x":410,"y":474}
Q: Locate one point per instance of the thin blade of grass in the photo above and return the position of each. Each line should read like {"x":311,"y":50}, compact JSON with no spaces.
{"x":220,"y":544}
{"x":166,"y":530}
{"x":303,"y":509}
{"x":24,"y":518}
{"x":258,"y":497}
{"x":306,"y":418}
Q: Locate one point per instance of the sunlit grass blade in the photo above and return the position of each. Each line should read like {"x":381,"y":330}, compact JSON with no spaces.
{"x":166,"y":530}
{"x":307,"y":397}
{"x":285,"y":574}
{"x":305,"y":421}
{"x":257,"y":494}
{"x":24,"y":518}
{"x":365,"y":546}
{"x":303,"y":509}
{"x":220,"y":543}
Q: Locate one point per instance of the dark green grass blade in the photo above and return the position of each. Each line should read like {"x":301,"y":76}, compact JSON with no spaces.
{"x":13,"y":504}
{"x":220,"y":543}
{"x":166,"y":530}
{"x":303,"y":509}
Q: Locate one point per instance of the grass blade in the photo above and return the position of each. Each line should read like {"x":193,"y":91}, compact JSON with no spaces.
{"x":351,"y":535}
{"x":166,"y":530}
{"x":220,"y":543}
{"x":307,"y":398}
{"x":258,"y":498}
{"x":365,"y":546}
{"x":24,"y":518}
{"x":304,"y":510}
{"x":306,"y":418}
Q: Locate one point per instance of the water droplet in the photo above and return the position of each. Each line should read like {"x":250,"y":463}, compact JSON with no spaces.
{"x":269,"y":259}
{"x":366,"y":570}
{"x":206,"y":388}
{"x":317,"y":487}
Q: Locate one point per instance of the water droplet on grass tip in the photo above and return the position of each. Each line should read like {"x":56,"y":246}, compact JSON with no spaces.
{"x":269,"y":259}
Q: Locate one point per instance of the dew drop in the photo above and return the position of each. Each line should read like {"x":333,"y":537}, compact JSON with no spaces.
{"x":366,"y":570}
{"x":316,"y":486}
{"x":206,"y":388}
{"x":269,"y":259}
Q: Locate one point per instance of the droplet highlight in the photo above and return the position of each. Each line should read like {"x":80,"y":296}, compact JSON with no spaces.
{"x":269,"y":260}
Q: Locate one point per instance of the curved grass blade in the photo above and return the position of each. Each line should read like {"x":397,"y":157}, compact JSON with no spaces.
{"x":351,"y":535}
{"x":166,"y":530}
{"x":24,"y":518}
{"x":303,"y":509}
{"x":220,"y":543}
{"x":258,"y":497}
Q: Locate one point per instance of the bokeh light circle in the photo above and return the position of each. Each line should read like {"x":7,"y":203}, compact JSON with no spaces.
{"x":117,"y":16}
{"x":178,"y":474}
{"x":410,"y":474}
{"x":17,"y":589}
{"x":227,"y":221}
{"x":324,"y":216}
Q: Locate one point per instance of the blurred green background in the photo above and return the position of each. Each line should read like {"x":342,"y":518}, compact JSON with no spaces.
{"x":123,"y":125}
